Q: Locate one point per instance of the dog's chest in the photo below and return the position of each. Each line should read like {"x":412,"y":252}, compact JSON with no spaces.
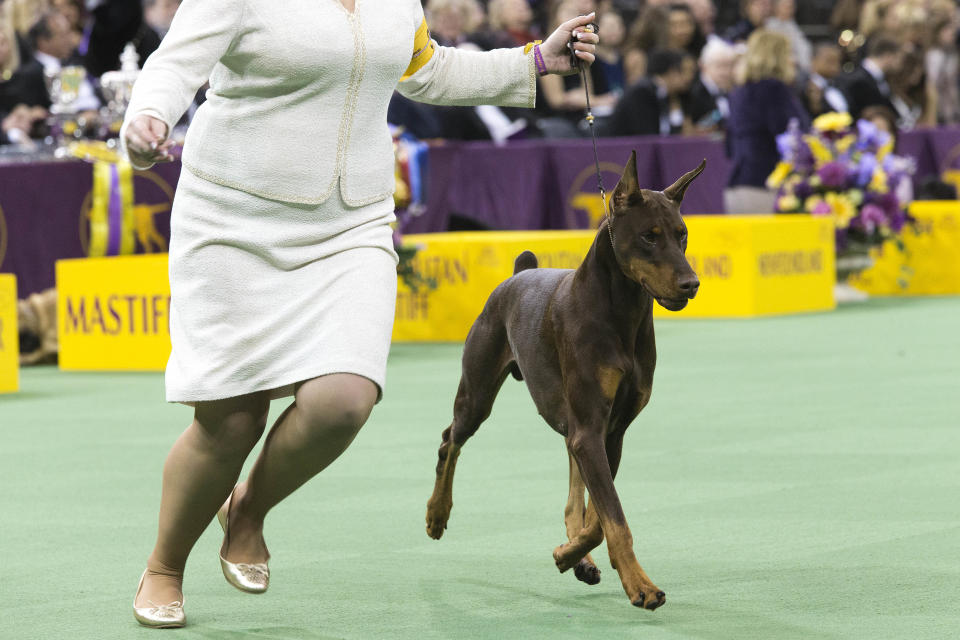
{"x":632,"y":396}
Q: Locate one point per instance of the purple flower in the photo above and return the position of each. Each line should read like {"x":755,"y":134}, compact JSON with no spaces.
{"x":871,"y":217}
{"x":833,"y":175}
{"x":803,"y":190}
{"x":865,"y":169}
{"x":888,"y":202}
{"x":821,"y":209}
{"x":897,"y":220}
{"x":869,"y":137}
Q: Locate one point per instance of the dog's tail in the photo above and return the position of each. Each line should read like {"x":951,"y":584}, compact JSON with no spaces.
{"x":524,"y":261}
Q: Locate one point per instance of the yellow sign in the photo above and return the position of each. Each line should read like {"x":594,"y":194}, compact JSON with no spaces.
{"x":747,"y":265}
{"x":9,"y":335}
{"x":929,"y":263}
{"x":114,"y":313}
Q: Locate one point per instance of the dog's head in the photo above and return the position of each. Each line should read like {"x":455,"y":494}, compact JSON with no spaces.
{"x":650,"y":237}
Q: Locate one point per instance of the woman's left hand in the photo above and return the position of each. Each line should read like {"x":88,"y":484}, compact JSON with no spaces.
{"x":556,"y":55}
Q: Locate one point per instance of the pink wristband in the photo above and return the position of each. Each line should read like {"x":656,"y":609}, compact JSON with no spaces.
{"x":538,"y":61}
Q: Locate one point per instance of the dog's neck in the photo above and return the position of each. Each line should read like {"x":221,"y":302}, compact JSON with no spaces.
{"x":601,"y":281}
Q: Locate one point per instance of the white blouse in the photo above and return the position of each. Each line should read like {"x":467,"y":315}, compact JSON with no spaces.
{"x":299,"y":91}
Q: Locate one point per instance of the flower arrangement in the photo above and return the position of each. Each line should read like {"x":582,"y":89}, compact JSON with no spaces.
{"x":849,"y":172}
{"x":409,"y":194}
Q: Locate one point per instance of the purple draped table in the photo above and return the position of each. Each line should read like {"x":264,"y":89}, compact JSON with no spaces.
{"x":537,"y":184}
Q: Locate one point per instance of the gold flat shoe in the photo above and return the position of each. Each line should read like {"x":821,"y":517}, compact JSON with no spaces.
{"x":252,"y":578}
{"x":158,"y":616}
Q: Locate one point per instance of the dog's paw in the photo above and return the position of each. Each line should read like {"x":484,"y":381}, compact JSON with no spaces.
{"x":586,"y":571}
{"x":650,"y":601}
{"x":437,"y":517}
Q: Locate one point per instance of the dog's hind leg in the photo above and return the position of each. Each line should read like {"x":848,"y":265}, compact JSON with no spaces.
{"x":487,"y":361}
{"x":574,"y":517}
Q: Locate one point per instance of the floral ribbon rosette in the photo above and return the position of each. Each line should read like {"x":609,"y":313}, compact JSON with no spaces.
{"x":848,"y":172}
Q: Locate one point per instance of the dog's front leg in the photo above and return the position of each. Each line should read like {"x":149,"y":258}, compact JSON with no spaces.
{"x":588,"y":447}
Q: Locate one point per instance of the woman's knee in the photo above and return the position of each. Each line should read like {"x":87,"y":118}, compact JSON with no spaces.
{"x":233,"y":425}
{"x":335,"y":406}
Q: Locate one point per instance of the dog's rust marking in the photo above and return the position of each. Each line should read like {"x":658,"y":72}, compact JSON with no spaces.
{"x":656,"y":231}
{"x":609,"y":380}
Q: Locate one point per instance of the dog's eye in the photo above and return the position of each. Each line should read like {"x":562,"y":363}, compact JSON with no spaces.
{"x":683,"y":239}
{"x":649,"y":237}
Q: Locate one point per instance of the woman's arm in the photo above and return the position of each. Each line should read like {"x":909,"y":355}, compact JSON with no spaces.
{"x":201,"y":33}
{"x":503,"y":77}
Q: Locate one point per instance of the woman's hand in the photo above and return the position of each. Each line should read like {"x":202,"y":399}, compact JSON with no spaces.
{"x":556,"y":55}
{"x":147,"y":141}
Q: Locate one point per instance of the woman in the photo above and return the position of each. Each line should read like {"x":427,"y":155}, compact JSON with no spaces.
{"x":760,"y":110}
{"x":683,"y":30}
{"x":282,"y":270}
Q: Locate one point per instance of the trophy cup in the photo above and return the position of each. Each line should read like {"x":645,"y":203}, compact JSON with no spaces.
{"x":117,"y":86}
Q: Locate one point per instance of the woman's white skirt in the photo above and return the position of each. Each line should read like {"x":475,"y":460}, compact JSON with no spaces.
{"x":266,"y":294}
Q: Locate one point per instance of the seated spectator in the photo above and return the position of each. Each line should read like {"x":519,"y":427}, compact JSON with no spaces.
{"x":18,"y":86}
{"x":17,"y":126}
{"x":561,"y":100}
{"x":754,"y":14}
{"x":51,"y":39}
{"x":158,"y":15}
{"x":867,"y":84}
{"x":884,"y":119}
{"x":73,"y":11}
{"x":784,"y":21}
{"x":683,"y":31}
{"x":646,"y":35}
{"x":513,"y":21}
{"x":760,"y":110}
{"x":609,"y":57}
{"x":912,"y":96}
{"x":452,"y":21}
{"x":157,"y":18}
{"x":112,"y":24}
{"x":820,"y":93}
{"x":653,"y":106}
{"x":708,"y":103}
{"x":21,"y":15}
{"x":706,"y":14}
{"x":943,"y":69}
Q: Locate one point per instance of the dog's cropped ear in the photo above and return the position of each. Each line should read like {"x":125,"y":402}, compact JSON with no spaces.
{"x":677,"y":189}
{"x":627,"y":192}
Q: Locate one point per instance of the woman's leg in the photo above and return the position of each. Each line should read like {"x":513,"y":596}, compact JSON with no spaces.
{"x":321,"y":423}
{"x":199,"y":473}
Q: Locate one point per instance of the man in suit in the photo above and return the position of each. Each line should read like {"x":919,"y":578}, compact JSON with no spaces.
{"x":818,"y":88}
{"x":707,"y":103}
{"x":867,"y":85}
{"x":52,"y":43}
{"x":652,"y":106}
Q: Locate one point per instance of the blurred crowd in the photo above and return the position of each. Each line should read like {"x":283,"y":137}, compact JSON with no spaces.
{"x":39,"y":38}
{"x":670,"y":67}
{"x":664,"y":67}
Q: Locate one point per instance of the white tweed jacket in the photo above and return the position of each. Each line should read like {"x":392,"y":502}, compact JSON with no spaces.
{"x":299,"y":91}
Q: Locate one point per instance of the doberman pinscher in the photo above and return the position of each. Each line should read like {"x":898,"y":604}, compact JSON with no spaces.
{"x":583,"y":341}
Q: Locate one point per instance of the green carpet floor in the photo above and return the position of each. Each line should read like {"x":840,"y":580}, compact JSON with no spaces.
{"x":792,"y":478}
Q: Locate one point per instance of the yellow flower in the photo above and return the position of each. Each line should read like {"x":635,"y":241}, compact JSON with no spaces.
{"x":820,"y":152}
{"x":779,"y":174}
{"x":856,"y":196}
{"x":810,"y":203}
{"x":788,"y":203}
{"x":845,"y":143}
{"x":843,"y":209}
{"x":885,"y":149}
{"x":833,"y":122}
{"x":879,"y":181}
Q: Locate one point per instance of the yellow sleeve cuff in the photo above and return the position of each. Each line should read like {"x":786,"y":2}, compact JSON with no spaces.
{"x":423,"y":49}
